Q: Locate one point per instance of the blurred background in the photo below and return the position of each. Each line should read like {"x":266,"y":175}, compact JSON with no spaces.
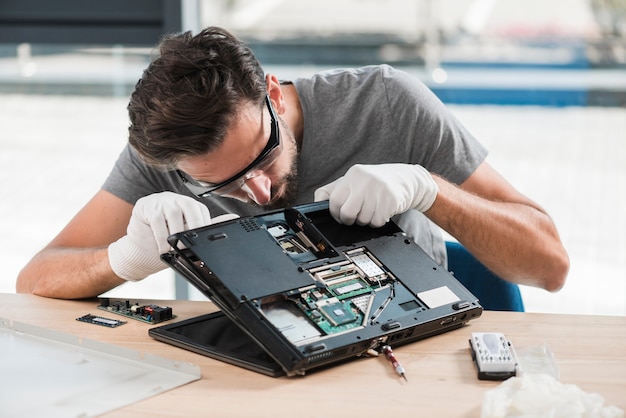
{"x":541,"y":84}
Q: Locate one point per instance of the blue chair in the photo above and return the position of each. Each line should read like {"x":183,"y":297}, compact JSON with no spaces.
{"x":494,"y":293}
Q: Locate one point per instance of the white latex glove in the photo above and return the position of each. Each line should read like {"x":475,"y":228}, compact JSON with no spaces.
{"x":155,"y":217}
{"x":372,"y":194}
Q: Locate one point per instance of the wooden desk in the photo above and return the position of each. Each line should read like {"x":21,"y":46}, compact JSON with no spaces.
{"x":590,"y":352}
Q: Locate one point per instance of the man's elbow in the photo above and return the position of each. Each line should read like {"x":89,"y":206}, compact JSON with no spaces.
{"x":557,"y":272}
{"x":23,"y":284}
{"x":30,"y":279}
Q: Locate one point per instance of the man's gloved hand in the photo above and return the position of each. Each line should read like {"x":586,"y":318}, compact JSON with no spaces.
{"x":372,"y":194}
{"x":155,"y":217}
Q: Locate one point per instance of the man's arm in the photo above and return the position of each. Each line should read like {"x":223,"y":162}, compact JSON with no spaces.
{"x":75,"y":263}
{"x":506,"y":231}
{"x":110,"y":241}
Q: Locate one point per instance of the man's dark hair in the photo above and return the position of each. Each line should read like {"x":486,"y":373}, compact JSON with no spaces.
{"x":189,"y":95}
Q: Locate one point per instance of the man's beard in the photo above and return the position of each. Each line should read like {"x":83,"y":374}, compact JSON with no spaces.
{"x":290,"y":191}
{"x":289,"y":183}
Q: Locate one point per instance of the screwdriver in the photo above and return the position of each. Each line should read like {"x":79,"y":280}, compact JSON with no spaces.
{"x":394,"y":362}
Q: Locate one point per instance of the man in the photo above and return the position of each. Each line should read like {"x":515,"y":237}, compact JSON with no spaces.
{"x":212,"y":135}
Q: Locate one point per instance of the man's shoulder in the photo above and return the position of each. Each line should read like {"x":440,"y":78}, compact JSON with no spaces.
{"x":369,"y":80}
{"x":355,"y":73}
{"x":372,"y":77}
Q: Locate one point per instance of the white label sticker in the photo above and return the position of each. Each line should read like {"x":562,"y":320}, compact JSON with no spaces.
{"x":438,"y":297}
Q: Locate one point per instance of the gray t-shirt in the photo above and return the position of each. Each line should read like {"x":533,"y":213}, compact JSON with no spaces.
{"x":368,"y":115}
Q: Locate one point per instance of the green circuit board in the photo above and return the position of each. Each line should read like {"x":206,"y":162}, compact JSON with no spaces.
{"x":148,"y":313}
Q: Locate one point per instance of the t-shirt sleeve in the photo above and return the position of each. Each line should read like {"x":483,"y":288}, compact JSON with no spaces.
{"x":439,"y":142}
{"x":131,"y":179}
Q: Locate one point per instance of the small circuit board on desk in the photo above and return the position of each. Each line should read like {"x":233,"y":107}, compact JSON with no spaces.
{"x":99,"y":320}
{"x":148,"y":313}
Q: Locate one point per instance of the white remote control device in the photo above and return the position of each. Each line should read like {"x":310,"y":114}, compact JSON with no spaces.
{"x":493,"y":355}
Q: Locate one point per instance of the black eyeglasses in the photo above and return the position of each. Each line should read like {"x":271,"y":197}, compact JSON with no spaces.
{"x":266,"y":158}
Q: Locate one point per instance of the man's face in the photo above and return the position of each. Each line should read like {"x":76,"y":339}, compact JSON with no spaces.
{"x":270,"y":184}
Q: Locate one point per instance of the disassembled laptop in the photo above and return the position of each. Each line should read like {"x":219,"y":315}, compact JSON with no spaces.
{"x":312,"y":292}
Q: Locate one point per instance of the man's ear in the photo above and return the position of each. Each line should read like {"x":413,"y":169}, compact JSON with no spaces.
{"x":275,"y":93}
